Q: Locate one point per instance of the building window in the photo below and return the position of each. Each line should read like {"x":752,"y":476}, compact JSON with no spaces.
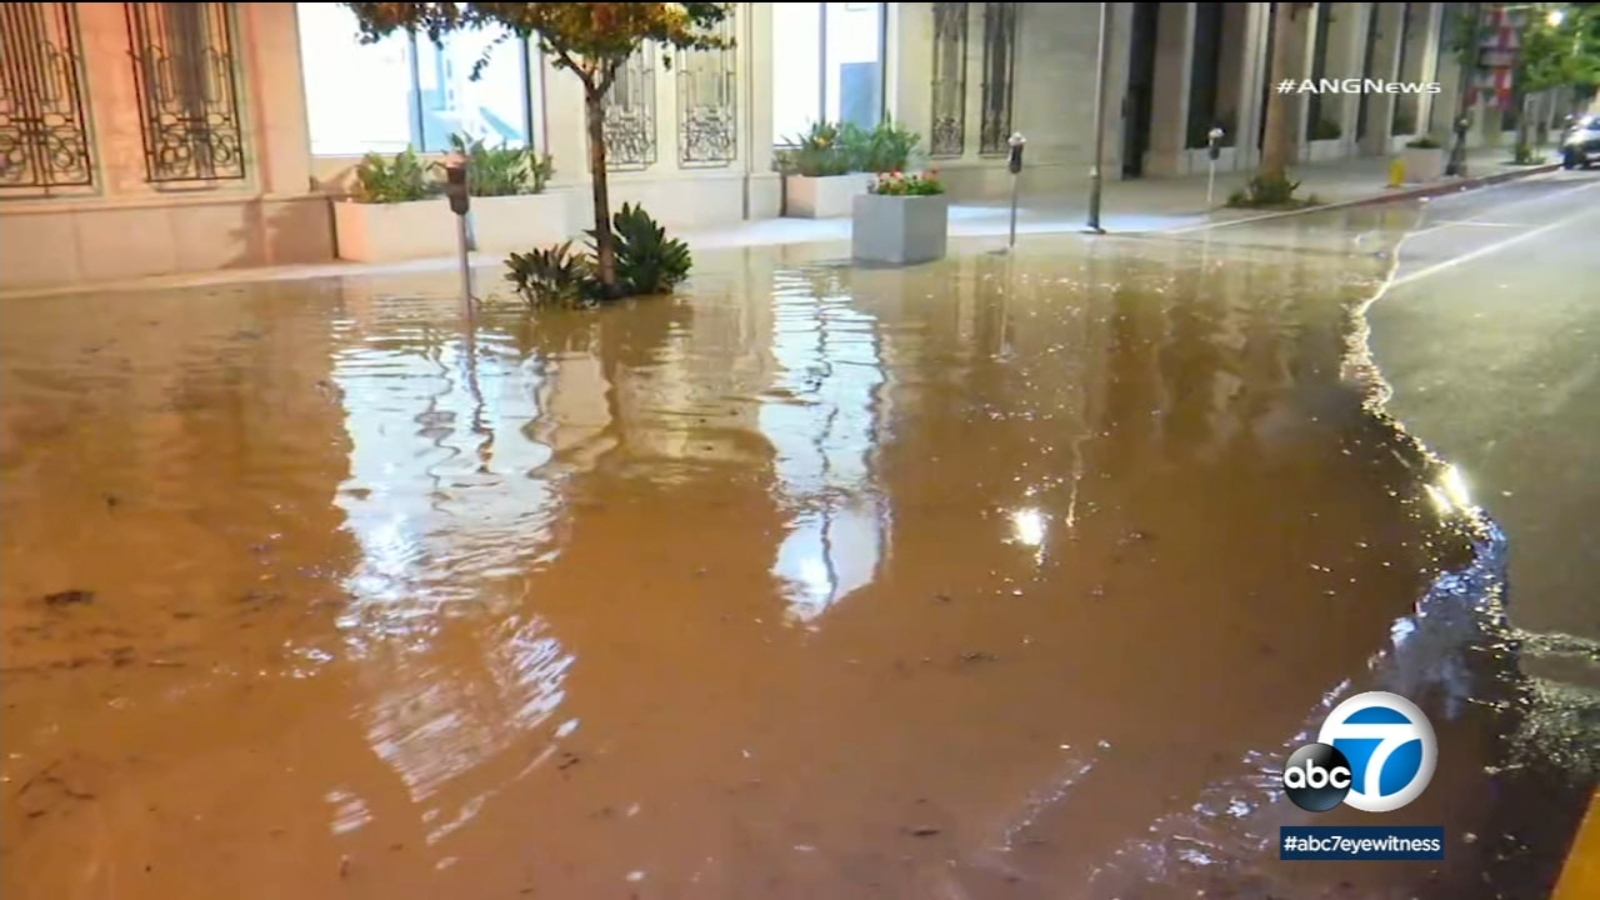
{"x":999,"y":65}
{"x":44,"y":136}
{"x":827,"y":66}
{"x":1205,"y":74}
{"x":630,"y":110}
{"x":948,"y":137}
{"x":1319,"y":68}
{"x":708,"y":104}
{"x":406,"y":91}
{"x":187,"y":89}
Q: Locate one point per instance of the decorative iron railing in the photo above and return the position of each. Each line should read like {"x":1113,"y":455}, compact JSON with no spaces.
{"x":44,"y":130}
{"x":630,"y":113}
{"x":708,"y":115}
{"x":186,"y":85}
{"x":947,"y":137}
{"x":999,"y":69}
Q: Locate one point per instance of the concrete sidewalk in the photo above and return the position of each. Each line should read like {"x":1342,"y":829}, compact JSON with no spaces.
{"x":1141,"y":206}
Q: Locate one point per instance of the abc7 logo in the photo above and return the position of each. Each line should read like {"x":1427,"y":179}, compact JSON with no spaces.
{"x":1376,"y":752}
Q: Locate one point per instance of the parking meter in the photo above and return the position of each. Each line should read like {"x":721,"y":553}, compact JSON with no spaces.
{"x":455,"y":188}
{"x":455,"y":172}
{"x":1213,"y":152}
{"x":1016,"y":142}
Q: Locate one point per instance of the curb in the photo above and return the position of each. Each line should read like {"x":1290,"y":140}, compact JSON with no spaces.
{"x":1435,"y":190}
{"x":1390,"y":196}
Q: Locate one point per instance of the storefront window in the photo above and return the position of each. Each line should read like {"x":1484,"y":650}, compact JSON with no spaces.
{"x":404,"y":91}
{"x":828,"y":63}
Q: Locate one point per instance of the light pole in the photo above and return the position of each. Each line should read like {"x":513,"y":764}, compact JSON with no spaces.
{"x":1099,"y":118}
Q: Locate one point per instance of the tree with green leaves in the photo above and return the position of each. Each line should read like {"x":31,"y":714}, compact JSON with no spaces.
{"x":591,"y":40}
{"x":1557,"y":51}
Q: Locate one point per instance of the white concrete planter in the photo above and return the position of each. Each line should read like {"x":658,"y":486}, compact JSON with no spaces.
{"x":386,"y":232}
{"x":899,"y":230}
{"x":1423,"y":165}
{"x":822,"y":198}
{"x":1199,"y":161}
{"x":521,"y":222}
{"x":1324,"y":151}
{"x":1398,"y":142}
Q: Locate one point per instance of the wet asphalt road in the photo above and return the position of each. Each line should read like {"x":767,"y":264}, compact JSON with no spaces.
{"x":1489,"y":338}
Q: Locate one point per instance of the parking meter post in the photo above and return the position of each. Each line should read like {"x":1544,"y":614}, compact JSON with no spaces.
{"x":460,"y":204}
{"x":1017,"y":142}
{"x":1213,"y":150}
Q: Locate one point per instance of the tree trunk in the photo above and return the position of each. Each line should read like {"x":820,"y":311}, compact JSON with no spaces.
{"x":1522,"y":124}
{"x":1277,"y":144}
{"x":604,"y":244}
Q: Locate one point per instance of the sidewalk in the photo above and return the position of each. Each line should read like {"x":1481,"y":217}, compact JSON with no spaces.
{"x":1141,"y":207}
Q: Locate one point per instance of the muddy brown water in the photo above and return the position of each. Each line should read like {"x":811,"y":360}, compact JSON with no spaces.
{"x":997,"y":577}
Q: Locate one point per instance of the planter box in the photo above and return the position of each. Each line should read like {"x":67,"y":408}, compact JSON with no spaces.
{"x":1325,"y":151}
{"x":519,"y":223}
{"x":386,"y":232}
{"x":1199,"y":160}
{"x":1423,"y":165}
{"x":822,"y":198}
{"x":899,"y":230}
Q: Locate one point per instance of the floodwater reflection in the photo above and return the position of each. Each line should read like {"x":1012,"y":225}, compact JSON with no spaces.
{"x":307,"y":590}
{"x":825,"y":416}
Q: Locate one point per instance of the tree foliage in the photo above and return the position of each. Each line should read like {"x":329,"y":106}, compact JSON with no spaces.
{"x":590,"y":39}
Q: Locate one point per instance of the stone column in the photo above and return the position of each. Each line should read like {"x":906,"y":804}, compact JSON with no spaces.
{"x":1347,"y":43}
{"x":1417,"y":54}
{"x":1386,"y":66}
{"x":1244,"y":63}
{"x":1169,"y":117}
{"x":764,"y":188}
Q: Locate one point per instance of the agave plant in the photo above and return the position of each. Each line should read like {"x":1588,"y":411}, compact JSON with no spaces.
{"x":553,"y":277}
{"x":648,"y":262}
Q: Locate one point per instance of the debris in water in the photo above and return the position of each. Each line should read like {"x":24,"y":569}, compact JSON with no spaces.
{"x":69,"y":598}
{"x":924,"y":831}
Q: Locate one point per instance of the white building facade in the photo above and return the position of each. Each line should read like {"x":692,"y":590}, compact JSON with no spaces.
{"x":143,"y":139}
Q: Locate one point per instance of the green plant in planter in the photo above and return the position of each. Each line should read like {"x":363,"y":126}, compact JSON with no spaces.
{"x":1326,"y":130}
{"x":648,"y":262}
{"x":816,"y":154}
{"x":1423,"y":143}
{"x":553,"y":277}
{"x":399,"y":180}
{"x":894,"y":184}
{"x":884,"y":148}
{"x":502,"y":171}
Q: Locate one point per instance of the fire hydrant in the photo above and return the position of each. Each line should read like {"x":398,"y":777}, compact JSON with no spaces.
{"x":1397,"y":172}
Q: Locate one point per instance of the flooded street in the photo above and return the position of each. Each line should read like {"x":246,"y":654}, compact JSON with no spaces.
{"x":996,"y":577}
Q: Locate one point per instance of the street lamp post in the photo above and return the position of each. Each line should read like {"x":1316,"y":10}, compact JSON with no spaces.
{"x":1458,"y":149}
{"x":1099,"y":118}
